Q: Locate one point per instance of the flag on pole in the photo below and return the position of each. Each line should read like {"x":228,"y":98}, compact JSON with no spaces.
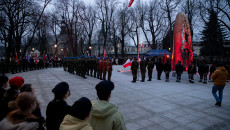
{"x":36,"y":59}
{"x":127,"y":63}
{"x":17,"y":58}
{"x":130,"y":3}
{"x":55,"y":56}
{"x":44,"y":58}
{"x":105,"y":53}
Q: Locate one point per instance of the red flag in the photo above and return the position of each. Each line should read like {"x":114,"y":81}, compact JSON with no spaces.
{"x":105,"y":54}
{"x":55,"y":56}
{"x":127,"y":63}
{"x":17,"y":58}
{"x":36,"y":59}
{"x":44,"y":58}
{"x":130,"y":3}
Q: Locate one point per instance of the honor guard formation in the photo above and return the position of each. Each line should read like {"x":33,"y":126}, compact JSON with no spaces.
{"x":100,"y":68}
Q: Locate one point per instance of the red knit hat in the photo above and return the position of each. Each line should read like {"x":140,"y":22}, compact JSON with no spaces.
{"x":16,"y":81}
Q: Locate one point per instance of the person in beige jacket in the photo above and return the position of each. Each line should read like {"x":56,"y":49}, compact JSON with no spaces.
{"x":78,"y":117}
{"x":219,"y":77}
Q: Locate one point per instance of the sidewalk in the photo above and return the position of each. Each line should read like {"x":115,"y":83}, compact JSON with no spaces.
{"x":144,"y":105}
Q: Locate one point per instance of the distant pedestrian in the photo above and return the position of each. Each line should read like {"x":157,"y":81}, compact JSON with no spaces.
{"x":219,"y":77}
{"x":105,"y":115}
{"x":143,"y":65}
{"x":77,"y":119}
{"x":58,"y":108}
{"x":150,"y":68}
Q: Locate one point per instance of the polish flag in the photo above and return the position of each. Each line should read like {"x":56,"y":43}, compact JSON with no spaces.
{"x":127,"y":63}
{"x":130,"y":3}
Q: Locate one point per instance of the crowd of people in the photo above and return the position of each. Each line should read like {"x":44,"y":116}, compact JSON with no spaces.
{"x":21,"y":110}
{"x":91,"y":66}
{"x":204,"y":70}
{"x":22,"y":65}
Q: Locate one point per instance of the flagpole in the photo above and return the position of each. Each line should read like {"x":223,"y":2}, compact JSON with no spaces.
{"x":138,"y":40}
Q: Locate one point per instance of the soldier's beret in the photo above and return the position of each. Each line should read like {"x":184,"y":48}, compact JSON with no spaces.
{"x":61,"y":88}
{"x":16,"y":81}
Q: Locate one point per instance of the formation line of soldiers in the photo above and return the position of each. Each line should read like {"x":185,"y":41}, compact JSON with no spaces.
{"x":91,"y":66}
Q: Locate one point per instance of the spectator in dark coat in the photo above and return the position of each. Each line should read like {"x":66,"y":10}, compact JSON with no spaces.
{"x":3,"y":85}
{"x":206,"y":71}
{"x":10,"y":95}
{"x":179,"y":71}
{"x":58,"y":108}
{"x":150,"y":68}
{"x":201,"y":71}
{"x":212,"y":69}
{"x":159,"y":68}
{"x":167,"y":70}
{"x":191,"y":72}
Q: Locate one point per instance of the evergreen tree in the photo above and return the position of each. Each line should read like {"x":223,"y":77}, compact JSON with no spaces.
{"x":213,"y":35}
{"x":166,"y":41}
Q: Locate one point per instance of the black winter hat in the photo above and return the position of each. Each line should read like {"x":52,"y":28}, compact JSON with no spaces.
{"x":61,"y":88}
{"x":81,"y":108}
{"x":104,"y":86}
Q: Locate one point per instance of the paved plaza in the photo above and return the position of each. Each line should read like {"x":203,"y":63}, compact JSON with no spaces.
{"x":155,"y":105}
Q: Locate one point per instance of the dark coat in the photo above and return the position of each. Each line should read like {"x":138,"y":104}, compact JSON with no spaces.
{"x":160,"y":66}
{"x":134,"y":65}
{"x":179,"y":68}
{"x":150,"y":65}
{"x":206,"y":68}
{"x":192,"y":69}
{"x":55,"y":113}
{"x":212,"y":68}
{"x":143,"y":64}
{"x":201,"y":69}
{"x":167,"y":67}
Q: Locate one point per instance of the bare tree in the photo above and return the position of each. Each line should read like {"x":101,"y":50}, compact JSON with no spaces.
{"x":169,"y":6}
{"x":154,"y":16}
{"x":123,"y":25}
{"x":105,"y":16}
{"x":88,"y":20}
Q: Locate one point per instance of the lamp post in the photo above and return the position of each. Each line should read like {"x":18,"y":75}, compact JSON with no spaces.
{"x":90,"y":50}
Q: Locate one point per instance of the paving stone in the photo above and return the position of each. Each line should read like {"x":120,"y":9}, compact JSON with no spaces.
{"x":155,"y":105}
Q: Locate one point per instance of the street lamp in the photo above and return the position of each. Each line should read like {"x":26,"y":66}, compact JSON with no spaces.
{"x":61,"y":49}
{"x":169,"y":48}
{"x":33,"y":49}
{"x":55,"y":46}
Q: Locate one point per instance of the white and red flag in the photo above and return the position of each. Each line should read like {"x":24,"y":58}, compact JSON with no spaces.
{"x":127,"y":63}
{"x":130,"y":3}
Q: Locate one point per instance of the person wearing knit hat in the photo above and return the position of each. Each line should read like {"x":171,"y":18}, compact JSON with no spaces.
{"x":105,"y":115}
{"x":77,"y":119}
{"x":10,"y":95}
{"x":58,"y":108}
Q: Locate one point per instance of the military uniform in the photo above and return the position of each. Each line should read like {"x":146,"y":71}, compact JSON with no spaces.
{"x":134,"y":68}
{"x":143,"y":69}
{"x":150,"y":69}
{"x":167,"y":70}
{"x":191,"y":72}
{"x":179,"y":71}
{"x":159,"y":67}
{"x":109,"y":69}
{"x":104,"y":63}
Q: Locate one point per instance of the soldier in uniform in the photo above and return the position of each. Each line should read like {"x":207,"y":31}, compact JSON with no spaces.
{"x":109,"y":68}
{"x":13,"y":64}
{"x":191,"y":72}
{"x":179,"y":71}
{"x":104,"y":63}
{"x":150,"y":68}
{"x":143,"y":69}
{"x":206,"y":71}
{"x":167,"y":70}
{"x":95,"y":66}
{"x":201,"y":71}
{"x":83,"y":67}
{"x":101,"y":68}
{"x":159,"y":68}
{"x":134,"y":68}
{"x":98,"y":68}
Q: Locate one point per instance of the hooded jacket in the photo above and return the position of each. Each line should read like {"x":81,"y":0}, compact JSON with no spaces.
{"x":220,"y":76}
{"x":73,"y":123}
{"x":105,"y":116}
